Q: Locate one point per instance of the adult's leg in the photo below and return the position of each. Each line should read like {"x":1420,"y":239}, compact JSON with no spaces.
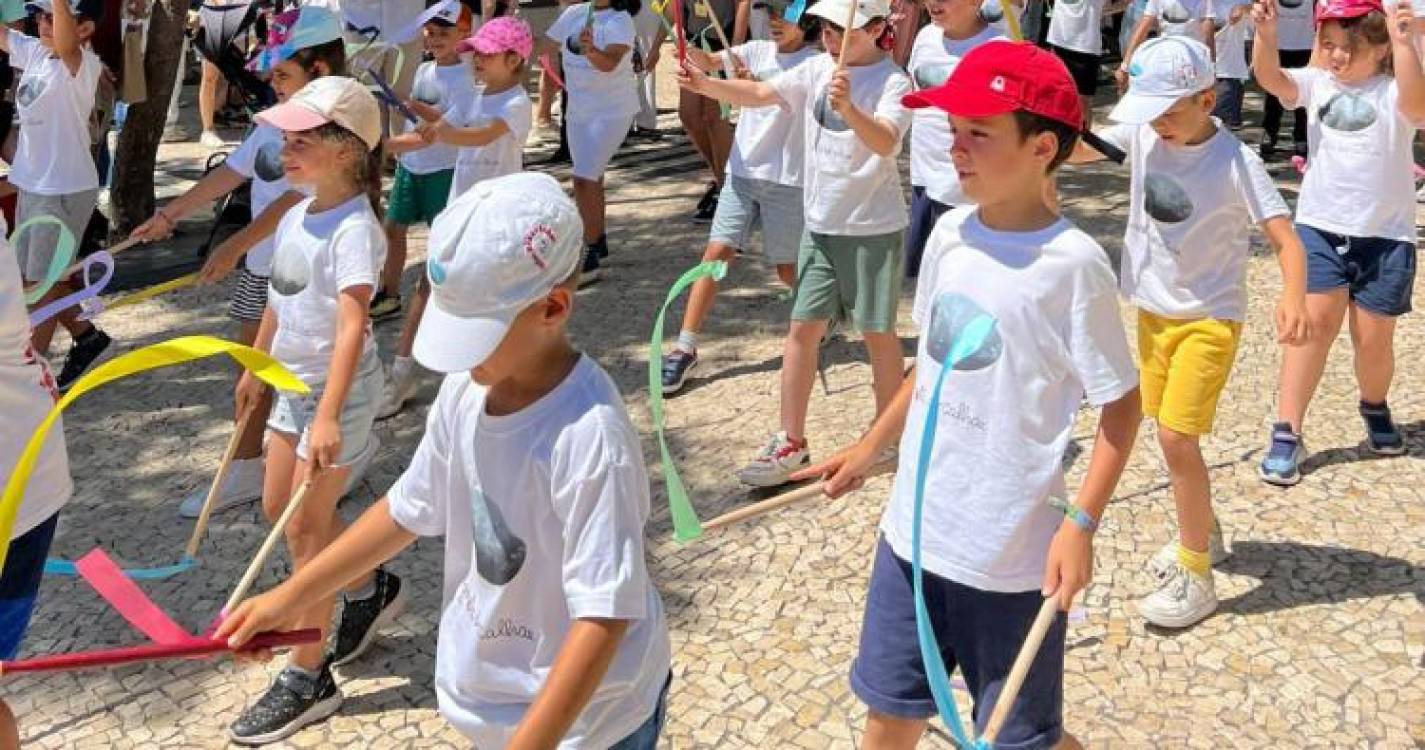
{"x":719,"y":138}
{"x":690,"y":108}
{"x":1297,"y":58}
{"x":1303,"y":364}
{"x":208,"y":95}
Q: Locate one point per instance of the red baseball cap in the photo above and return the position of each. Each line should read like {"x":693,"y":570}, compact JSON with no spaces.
{"x":1000,"y":77}
{"x":1340,"y":10}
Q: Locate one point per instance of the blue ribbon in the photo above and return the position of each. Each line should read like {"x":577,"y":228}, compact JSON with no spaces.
{"x":86,"y":298}
{"x":56,"y":566}
{"x":971,"y":338}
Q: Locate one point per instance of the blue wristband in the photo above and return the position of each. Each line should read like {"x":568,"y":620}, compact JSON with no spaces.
{"x":1078,"y":515}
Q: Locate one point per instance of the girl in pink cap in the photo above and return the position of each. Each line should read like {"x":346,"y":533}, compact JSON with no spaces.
{"x":490,"y":128}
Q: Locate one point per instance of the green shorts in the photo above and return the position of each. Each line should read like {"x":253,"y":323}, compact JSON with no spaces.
{"x":855,"y":279}
{"x":417,"y":198}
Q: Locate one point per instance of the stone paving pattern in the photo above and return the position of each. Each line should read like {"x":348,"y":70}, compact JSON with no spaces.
{"x":1320,"y":640}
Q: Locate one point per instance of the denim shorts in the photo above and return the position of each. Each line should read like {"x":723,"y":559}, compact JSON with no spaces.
{"x":746,"y":204}
{"x":646,"y":736}
{"x":924,"y":213}
{"x":980,"y":633}
{"x":20,"y":583}
{"x":1379,"y":273}
{"x":293,"y":413}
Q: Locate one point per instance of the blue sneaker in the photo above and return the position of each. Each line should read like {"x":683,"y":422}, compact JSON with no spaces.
{"x":1282,"y":466}
{"x":676,"y":368}
{"x":1382,"y":435}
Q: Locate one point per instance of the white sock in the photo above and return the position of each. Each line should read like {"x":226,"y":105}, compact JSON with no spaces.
{"x":688,"y":341}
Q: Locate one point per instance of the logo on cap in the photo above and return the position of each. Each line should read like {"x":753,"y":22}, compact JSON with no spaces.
{"x":997,"y":84}
{"x":538,"y":239}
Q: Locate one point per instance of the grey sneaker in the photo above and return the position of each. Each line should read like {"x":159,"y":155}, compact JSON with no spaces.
{"x":1282,"y":465}
{"x":774,"y":465}
{"x":676,"y":368}
{"x":362,"y":619}
{"x":294,"y":701}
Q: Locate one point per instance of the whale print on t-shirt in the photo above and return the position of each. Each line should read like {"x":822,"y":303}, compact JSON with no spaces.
{"x":30,"y":90}
{"x":499,"y":554}
{"x":1174,"y":12}
{"x":948,"y":318}
{"x":992,"y":12}
{"x":1347,"y":112}
{"x":930,"y":75}
{"x":1165,"y":200}
{"x":290,"y":272}
{"x":827,"y":117}
{"x":267,"y":165}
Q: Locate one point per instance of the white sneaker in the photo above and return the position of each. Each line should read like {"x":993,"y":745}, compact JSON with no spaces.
{"x":1183,"y":599}
{"x":210,"y":139}
{"x":400,"y":385}
{"x":1162,"y":563}
{"x":1420,"y":195}
{"x":773,"y":466}
{"x":243,"y":484}
{"x":361,"y":464}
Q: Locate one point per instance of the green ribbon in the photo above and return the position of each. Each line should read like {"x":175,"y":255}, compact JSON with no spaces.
{"x":686,"y":526}
{"x":63,"y":254}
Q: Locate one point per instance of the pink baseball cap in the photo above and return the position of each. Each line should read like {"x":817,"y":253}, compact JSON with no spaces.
{"x":503,"y":34}
{"x":1340,"y":10}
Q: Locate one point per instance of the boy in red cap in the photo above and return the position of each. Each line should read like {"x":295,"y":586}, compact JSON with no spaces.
{"x":994,"y":546}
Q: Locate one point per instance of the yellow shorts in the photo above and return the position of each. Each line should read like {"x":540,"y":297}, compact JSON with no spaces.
{"x":1183,"y":367}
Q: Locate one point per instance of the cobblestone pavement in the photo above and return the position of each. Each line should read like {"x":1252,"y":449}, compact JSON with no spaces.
{"x":1320,"y":640}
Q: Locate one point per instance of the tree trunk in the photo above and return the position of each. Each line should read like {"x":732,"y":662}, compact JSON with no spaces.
{"x":137,"y":152}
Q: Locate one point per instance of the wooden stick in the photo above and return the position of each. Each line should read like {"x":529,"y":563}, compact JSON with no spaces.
{"x":1047,"y":612}
{"x":115,"y":250}
{"x":786,"y":498}
{"x":202,"y":524}
{"x":717,"y":26}
{"x":846,"y":35}
{"x":255,"y":567}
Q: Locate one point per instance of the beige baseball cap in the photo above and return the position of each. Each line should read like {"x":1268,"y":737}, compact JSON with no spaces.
{"x":327,"y":99}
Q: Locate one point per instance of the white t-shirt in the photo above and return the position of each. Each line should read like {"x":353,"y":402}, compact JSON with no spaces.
{"x":505,"y":155}
{"x":1007,"y":413}
{"x":849,"y":190}
{"x":1296,"y":24}
{"x":259,"y":159}
{"x":933,"y":58}
{"x":768,"y":144}
{"x":1189,"y":216}
{"x":1231,"y":46}
{"x":594,"y":94}
{"x":1359,"y":180}
{"x":543,"y":513}
{"x":318,"y":255}
{"x":445,"y":87}
{"x":27,"y":393}
{"x":52,"y":155}
{"x":1181,"y":17}
{"x":1078,"y":25}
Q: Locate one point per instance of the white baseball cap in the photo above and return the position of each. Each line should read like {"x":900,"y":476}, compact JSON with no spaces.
{"x":1162,"y":71}
{"x":327,"y":99}
{"x":494,"y":251}
{"x":836,"y":11}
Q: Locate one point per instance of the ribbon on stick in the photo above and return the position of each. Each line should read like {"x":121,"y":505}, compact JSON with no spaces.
{"x":165,"y":354}
{"x":686,"y":526}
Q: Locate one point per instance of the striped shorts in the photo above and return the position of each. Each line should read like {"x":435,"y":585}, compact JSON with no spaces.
{"x":249,"y":297}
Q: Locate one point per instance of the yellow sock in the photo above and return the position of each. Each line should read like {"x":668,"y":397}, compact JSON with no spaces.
{"x":1197,"y":562}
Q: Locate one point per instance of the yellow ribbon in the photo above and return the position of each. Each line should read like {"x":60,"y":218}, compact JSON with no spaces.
{"x":153,"y":291}
{"x":171,"y":352}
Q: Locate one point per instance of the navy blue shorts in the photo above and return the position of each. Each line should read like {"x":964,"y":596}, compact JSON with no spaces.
{"x":924,"y":212}
{"x":20,"y":583}
{"x":1379,"y":273}
{"x":980,"y":632}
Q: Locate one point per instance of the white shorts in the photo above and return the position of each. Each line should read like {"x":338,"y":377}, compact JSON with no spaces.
{"x":592,"y":144}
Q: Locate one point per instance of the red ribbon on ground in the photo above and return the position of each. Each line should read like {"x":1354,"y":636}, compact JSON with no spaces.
{"x":109,"y":581}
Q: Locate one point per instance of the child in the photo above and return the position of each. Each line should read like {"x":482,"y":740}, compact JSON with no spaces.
{"x":850,"y":260}
{"x":301,"y":47}
{"x":551,"y":633}
{"x":329,"y":249}
{"x":766,"y":185}
{"x":1190,"y":18}
{"x":994,"y":547}
{"x":490,"y":130}
{"x":1195,"y":190}
{"x":1232,"y":71}
{"x":1356,"y":215}
{"x":1076,"y":36}
{"x":27,"y":392}
{"x":594,"y":45}
{"x":425,"y":170}
{"x":52,"y":168}
{"x":956,"y":27}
